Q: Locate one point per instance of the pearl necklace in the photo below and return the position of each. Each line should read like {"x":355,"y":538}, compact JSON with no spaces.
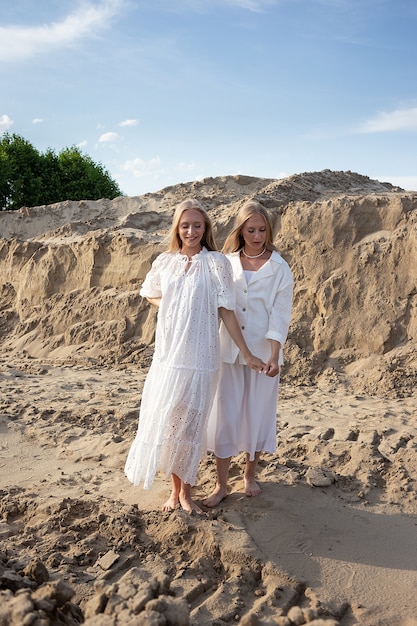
{"x":255,"y":256}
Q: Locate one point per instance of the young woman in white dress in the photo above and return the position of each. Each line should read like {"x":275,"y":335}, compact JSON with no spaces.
{"x":192,"y":284}
{"x":243,"y":415}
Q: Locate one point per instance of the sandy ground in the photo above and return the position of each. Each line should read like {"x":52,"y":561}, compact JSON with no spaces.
{"x":347,"y":550}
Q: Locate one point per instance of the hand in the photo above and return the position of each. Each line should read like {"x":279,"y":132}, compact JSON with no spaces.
{"x":256,"y":364}
{"x":271,"y":369}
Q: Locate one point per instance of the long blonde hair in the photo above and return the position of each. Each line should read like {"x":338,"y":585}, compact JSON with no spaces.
{"x":234,"y":240}
{"x":174,"y":241}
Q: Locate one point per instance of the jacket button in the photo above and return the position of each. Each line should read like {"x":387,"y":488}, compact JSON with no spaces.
{"x":244,"y":308}
{"x":243,"y":328}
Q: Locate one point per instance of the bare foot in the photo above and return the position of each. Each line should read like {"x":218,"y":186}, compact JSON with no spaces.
{"x":218,"y":494}
{"x":251,"y":487}
{"x":189,"y":505}
{"x":171,"y":503}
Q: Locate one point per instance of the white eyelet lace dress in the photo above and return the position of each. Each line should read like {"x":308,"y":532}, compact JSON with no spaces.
{"x":180,"y":386}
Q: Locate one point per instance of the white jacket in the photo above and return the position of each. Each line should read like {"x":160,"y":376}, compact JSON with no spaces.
{"x":263,"y":308}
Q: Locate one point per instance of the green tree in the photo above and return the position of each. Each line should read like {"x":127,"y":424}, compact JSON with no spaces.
{"x":28,"y":178}
{"x":52,"y":178}
{"x":5,"y":179}
{"x":82,"y":179}
{"x":21,"y":177}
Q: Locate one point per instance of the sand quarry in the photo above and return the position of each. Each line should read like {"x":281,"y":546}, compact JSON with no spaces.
{"x":332,"y":539}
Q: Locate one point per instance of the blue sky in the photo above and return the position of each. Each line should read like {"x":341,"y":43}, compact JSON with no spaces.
{"x":168,"y":91}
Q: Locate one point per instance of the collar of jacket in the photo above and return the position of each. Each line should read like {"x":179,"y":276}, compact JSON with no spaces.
{"x":265,"y":271}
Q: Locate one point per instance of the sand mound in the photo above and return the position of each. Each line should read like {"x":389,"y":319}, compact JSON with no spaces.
{"x":70,"y":274}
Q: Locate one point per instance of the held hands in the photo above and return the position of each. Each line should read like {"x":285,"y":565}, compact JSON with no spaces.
{"x":271,"y":369}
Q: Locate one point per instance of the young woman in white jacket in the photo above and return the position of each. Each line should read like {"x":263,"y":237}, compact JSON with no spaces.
{"x":243,"y":416}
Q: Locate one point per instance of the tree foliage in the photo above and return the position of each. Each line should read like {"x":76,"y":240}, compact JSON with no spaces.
{"x":29,"y":178}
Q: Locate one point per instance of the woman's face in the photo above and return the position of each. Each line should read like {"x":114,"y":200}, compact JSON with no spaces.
{"x":191,"y":229}
{"x":254,"y":233}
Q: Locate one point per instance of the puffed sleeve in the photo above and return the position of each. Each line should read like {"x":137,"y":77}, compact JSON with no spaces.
{"x":224,"y":280}
{"x":151,"y":287}
{"x":281,"y":305}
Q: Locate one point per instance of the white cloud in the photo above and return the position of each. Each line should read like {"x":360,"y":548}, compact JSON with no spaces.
{"x":20,"y":42}
{"x":129,"y":123}
{"x":82,"y":144}
{"x":37,"y":120}
{"x":186,"y":167}
{"x":5,"y":123}
{"x":109,"y":137}
{"x":207,"y":5}
{"x":140,"y":168}
{"x":409,"y":183}
{"x":401,"y":119}
{"x":252,"y":5}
